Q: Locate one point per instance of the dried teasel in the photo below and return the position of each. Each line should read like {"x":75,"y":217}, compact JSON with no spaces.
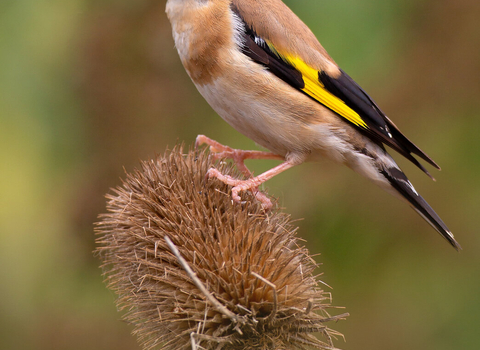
{"x":196,"y":271}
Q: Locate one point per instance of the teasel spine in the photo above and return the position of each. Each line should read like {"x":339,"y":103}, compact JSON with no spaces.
{"x":193,"y":270}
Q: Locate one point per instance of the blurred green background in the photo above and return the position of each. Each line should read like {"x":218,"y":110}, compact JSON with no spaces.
{"x":90,"y":87}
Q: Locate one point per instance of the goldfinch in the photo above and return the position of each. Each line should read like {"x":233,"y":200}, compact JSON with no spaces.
{"x":265,"y":73}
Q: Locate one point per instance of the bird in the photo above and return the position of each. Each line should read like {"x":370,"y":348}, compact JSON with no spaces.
{"x":265,"y":73}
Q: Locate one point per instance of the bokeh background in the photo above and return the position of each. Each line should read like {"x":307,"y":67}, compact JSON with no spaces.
{"x":88,"y":88}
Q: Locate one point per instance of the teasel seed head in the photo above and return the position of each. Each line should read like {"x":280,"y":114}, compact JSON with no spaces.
{"x":193,"y":270}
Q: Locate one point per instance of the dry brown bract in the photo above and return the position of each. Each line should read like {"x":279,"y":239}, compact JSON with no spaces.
{"x":196,"y":271}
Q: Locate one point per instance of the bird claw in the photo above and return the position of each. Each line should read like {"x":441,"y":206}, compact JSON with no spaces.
{"x":220,"y":151}
{"x":238,"y":186}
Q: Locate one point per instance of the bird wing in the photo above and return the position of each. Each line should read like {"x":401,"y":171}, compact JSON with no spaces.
{"x":290,"y":51}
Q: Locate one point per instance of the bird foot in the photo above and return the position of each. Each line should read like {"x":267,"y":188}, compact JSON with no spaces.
{"x":241,"y":185}
{"x":220,"y":151}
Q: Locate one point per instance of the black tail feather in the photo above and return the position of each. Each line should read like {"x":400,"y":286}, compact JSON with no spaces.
{"x":402,"y":185}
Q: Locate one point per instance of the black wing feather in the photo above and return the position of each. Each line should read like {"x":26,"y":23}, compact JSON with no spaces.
{"x":380,"y":128}
{"x":255,"y":48}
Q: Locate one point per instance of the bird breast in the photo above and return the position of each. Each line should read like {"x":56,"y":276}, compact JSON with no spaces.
{"x":244,"y":93}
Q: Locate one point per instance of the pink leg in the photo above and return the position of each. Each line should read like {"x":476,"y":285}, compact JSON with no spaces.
{"x":252,"y":183}
{"x":220,"y":151}
{"x":239,"y":156}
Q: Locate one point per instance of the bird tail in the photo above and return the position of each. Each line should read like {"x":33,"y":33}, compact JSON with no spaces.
{"x":399,"y":181}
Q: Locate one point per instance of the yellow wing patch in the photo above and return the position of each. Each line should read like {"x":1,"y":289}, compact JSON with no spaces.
{"x":315,"y":88}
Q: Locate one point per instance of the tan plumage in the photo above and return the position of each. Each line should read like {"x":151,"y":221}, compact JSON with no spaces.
{"x":263,"y":71}
{"x":274,"y":21}
{"x":201,"y":59}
